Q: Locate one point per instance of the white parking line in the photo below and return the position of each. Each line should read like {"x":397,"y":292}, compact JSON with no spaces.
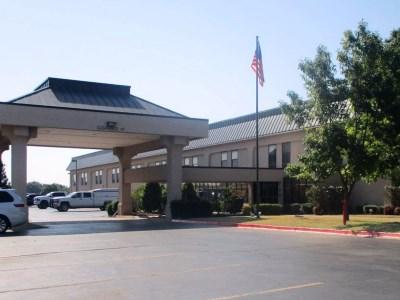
{"x":271,"y":291}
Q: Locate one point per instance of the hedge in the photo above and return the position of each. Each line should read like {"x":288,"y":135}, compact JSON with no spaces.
{"x":233,"y":205}
{"x":181,"y":209}
{"x":270,"y":208}
{"x":370,"y":209}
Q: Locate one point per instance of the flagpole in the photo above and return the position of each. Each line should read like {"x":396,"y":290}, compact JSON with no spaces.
{"x":257,"y":152}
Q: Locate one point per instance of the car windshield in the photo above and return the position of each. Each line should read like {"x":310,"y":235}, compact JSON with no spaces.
{"x":48,"y":194}
{"x":70,"y":195}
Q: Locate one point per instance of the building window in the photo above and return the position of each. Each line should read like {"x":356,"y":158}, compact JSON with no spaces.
{"x":186,"y":161}
{"x":224,"y":159}
{"x":272,"y":156}
{"x":99,"y":177}
{"x":115,"y":175}
{"x":285,"y":154}
{"x":74,"y":179}
{"x":82,"y":178}
{"x":234,"y":159}
{"x":195,"y":161}
{"x":86,"y":178}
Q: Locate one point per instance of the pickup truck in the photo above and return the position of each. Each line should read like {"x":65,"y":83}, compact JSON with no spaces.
{"x":44,"y":201}
{"x":98,"y":198}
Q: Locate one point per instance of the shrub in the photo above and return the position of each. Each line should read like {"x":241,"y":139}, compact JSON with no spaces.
{"x":190,"y":209}
{"x":317,"y":210}
{"x":270,"y":208}
{"x":217,"y":205}
{"x":367,"y":209}
{"x":392,"y":195}
{"x":152,"y":198}
{"x":396,"y":211}
{"x":327,"y":198}
{"x":112,"y":208}
{"x":246,"y":209}
{"x":388,"y":210}
{"x":233,"y":205}
{"x":295,"y":208}
{"x":189,"y":193}
{"x":137,"y":197}
{"x":308,"y":208}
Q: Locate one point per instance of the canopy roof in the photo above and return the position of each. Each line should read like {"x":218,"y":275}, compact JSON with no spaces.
{"x":83,"y":114}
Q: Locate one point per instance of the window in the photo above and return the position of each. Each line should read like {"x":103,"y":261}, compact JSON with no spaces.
{"x":224,"y":159}
{"x":74,"y":179}
{"x":82,"y":178}
{"x":86,"y":178}
{"x":164,"y":162}
{"x":285,"y":154}
{"x":114,"y":175}
{"x":272,"y":156}
{"x":157,"y":163}
{"x":58,"y":194}
{"x":87,"y":195}
{"x":235,"y":159}
{"x":195,"y":161}
{"x":76,"y":195}
{"x":5,"y":197}
{"x":186,"y":161}
{"x":99,"y":177}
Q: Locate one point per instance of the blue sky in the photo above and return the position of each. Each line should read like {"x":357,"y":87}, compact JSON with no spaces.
{"x":192,"y":57}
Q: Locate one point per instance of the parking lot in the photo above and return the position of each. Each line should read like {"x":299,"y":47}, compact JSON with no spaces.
{"x":82,"y":254}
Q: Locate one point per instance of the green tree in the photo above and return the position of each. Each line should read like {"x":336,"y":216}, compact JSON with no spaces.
{"x":4,"y":184}
{"x":34,"y":187}
{"x":371,"y":66}
{"x":189,"y":193}
{"x":53,"y":187}
{"x":339,"y":136}
{"x":152,"y":197}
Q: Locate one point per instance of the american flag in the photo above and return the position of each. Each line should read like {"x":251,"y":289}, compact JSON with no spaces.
{"x":257,"y":64}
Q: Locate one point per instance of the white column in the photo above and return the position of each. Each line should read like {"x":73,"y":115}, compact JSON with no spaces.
{"x":125,"y":206}
{"x":19,"y":164}
{"x":18,"y":137}
{"x":174,"y":170}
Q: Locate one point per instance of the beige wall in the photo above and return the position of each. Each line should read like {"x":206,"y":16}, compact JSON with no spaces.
{"x":209,"y":156}
{"x":373,"y":193}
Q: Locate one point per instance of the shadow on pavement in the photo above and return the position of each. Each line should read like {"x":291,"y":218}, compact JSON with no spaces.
{"x":89,"y":227}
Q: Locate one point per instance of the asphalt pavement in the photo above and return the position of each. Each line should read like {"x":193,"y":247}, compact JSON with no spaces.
{"x":93,"y":257}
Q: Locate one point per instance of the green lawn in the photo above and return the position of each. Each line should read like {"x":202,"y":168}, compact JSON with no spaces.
{"x":356,"y":223}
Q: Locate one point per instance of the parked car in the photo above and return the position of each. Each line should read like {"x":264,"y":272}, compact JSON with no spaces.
{"x":29,"y":198}
{"x":13,"y":211}
{"x":43,"y":202}
{"x":98,"y":198}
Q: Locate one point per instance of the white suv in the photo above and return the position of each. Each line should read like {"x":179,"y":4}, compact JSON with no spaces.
{"x":13,"y":211}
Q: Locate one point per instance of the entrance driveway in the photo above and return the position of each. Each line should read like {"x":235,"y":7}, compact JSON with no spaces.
{"x":152,"y":259}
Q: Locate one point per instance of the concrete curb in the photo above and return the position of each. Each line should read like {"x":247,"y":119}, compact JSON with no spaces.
{"x":364,"y":233}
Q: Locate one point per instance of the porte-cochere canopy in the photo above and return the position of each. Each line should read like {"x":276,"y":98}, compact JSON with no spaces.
{"x":82,"y":114}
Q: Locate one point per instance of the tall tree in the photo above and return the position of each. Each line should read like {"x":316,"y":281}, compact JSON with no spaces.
{"x":372,"y":67}
{"x":346,"y":132}
{"x":4,"y":184}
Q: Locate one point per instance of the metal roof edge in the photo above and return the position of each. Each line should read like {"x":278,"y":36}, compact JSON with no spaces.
{"x":102,"y":111}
